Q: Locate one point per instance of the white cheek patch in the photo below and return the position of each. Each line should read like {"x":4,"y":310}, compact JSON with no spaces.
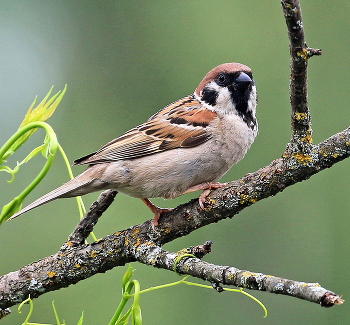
{"x":224,"y":97}
{"x":252,"y":100}
{"x":223,"y":100}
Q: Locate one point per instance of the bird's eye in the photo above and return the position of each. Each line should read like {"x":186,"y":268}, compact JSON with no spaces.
{"x":221,"y":80}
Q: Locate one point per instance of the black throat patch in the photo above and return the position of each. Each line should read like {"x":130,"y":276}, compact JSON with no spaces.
{"x":240,"y":98}
{"x":249,"y":119}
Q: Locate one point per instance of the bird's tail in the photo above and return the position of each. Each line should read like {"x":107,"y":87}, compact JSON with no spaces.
{"x":75,"y":187}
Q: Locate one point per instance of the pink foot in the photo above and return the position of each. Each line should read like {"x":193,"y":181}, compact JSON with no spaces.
{"x":206,"y":187}
{"x":156,"y":210}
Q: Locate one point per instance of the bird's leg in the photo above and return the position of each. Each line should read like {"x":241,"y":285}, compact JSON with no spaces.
{"x":156,"y":210}
{"x":206,"y":187}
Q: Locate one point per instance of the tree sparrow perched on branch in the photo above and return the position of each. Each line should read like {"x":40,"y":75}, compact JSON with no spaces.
{"x":185,"y":147}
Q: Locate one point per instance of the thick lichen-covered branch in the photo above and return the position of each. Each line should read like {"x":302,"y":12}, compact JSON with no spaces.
{"x":141,"y":243}
{"x":71,"y":265}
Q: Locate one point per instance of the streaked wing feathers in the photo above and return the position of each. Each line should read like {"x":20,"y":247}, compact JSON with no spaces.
{"x":180,"y":124}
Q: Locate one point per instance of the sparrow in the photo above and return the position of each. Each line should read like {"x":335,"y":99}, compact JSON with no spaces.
{"x":185,"y":147}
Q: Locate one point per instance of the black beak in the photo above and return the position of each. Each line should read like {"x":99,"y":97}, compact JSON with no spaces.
{"x":242,"y":81}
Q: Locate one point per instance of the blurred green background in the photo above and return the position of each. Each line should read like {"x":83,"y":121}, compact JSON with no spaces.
{"x":123,"y":61}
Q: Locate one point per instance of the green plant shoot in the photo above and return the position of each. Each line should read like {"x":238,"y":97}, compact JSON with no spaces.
{"x":35,"y":118}
{"x":135,"y":310}
{"x":31,"y":308}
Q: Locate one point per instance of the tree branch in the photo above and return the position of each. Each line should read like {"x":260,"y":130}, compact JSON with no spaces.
{"x":86,"y":224}
{"x":299,"y":54}
{"x":140,"y":243}
{"x":76,"y":261}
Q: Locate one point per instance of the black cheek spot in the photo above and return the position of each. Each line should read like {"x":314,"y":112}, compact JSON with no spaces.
{"x":209,"y":96}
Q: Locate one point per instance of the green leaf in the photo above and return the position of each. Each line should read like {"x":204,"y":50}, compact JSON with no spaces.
{"x":14,"y":205}
{"x":39,"y":114}
{"x":127,"y":276}
{"x":136,"y":315}
{"x":80,"y":322}
{"x":124,"y":319}
{"x":10,"y":209}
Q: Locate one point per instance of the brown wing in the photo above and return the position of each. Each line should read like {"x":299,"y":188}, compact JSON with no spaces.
{"x":182,"y":124}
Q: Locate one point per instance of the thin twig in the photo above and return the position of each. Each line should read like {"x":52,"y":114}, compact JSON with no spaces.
{"x":87,"y":223}
{"x":299,"y":54}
